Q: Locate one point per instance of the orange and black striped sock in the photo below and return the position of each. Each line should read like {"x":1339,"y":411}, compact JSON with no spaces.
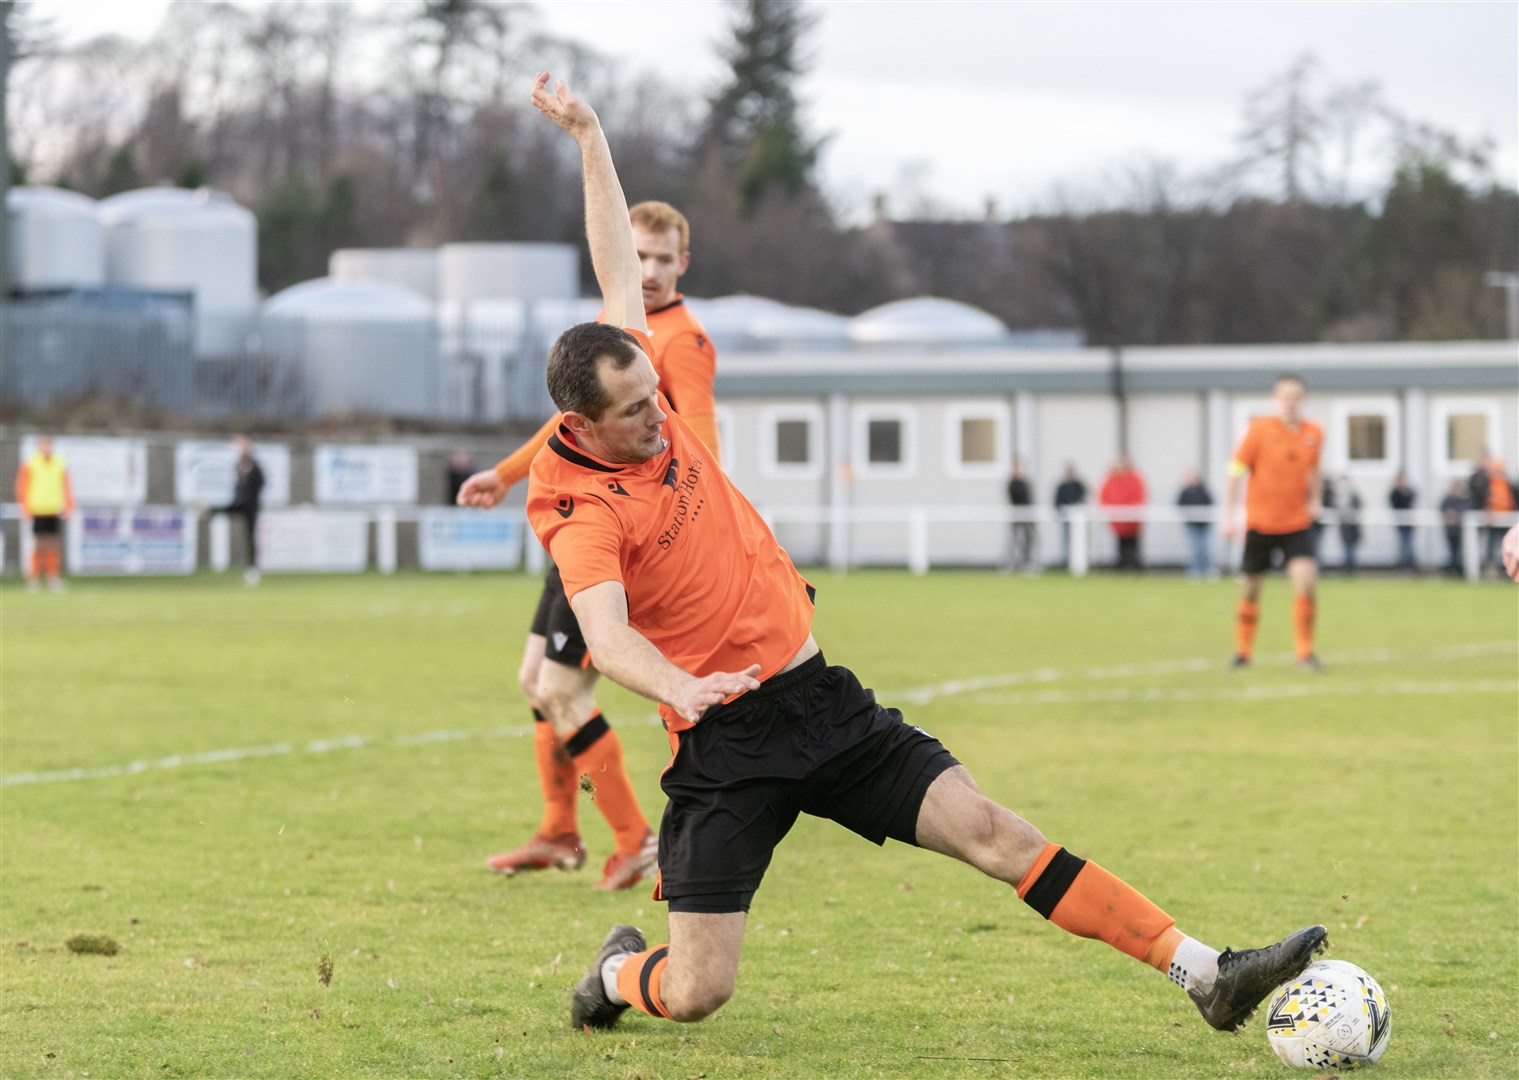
{"x":557,"y":777}
{"x":597,"y":752}
{"x":1245,"y":617}
{"x":1304,"y":608}
{"x":639,"y":978}
{"x":1083,"y":899}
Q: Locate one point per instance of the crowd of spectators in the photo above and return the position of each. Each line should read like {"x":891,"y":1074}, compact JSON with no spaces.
{"x":1489,"y":490}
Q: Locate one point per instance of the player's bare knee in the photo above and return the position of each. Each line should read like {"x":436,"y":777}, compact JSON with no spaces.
{"x":698,"y":999}
{"x":564,"y":710}
{"x":1006,"y":844}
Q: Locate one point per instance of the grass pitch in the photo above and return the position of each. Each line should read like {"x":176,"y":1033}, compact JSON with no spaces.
{"x":276,"y":804}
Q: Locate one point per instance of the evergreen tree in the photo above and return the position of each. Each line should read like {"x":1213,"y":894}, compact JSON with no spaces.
{"x":754,"y":130}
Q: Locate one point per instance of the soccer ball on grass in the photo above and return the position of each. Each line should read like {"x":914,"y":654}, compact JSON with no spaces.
{"x":1332,"y":1016}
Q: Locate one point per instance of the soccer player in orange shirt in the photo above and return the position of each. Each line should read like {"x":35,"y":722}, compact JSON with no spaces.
{"x":571,"y":734}
{"x":685,"y":597}
{"x":1280,"y":455}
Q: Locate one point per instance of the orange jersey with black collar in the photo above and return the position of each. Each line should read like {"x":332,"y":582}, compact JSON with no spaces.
{"x":1282,"y":462}
{"x":686,"y":363}
{"x":706,"y":581}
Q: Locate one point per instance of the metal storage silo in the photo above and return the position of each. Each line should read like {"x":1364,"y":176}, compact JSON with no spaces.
{"x":746,"y":323}
{"x":415,"y":268}
{"x":55,"y":240}
{"x":501,"y":305}
{"x":508,"y":272}
{"x":359,"y":346}
{"x":177,"y":240}
{"x":926,"y":320}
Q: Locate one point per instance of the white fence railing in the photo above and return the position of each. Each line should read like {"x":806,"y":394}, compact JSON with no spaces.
{"x":501,"y":538}
{"x":1068,"y":538}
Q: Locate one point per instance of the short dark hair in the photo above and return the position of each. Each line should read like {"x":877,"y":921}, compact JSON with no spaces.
{"x":573,"y":376}
{"x":1291,"y":376}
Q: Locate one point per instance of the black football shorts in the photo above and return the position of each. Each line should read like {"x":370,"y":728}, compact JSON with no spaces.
{"x":556,"y":621}
{"x":811,"y":740}
{"x":1260,"y":548}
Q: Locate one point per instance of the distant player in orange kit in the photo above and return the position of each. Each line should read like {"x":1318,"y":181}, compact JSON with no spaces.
{"x":1280,"y":455}
{"x":571,"y":735}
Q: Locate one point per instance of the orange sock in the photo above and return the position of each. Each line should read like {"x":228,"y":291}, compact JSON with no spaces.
{"x":557,"y":777}
{"x":1245,"y":617}
{"x":1303,"y":610}
{"x":52,"y":563}
{"x":1083,"y":899}
{"x":1160,"y":954}
{"x":639,"y":978}
{"x":36,"y":565}
{"x":597,"y":752}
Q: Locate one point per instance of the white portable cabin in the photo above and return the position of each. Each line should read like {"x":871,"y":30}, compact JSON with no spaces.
{"x":852,"y":453}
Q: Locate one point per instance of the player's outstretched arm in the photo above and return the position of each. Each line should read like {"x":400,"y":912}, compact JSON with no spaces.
{"x":1231,"y":500}
{"x":631,"y":660}
{"x":608,"y":232}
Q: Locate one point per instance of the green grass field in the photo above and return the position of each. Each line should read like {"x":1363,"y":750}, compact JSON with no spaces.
{"x":238,"y":786}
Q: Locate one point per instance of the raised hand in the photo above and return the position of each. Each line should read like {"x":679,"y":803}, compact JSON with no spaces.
{"x":483,"y":490}
{"x":563,"y":107}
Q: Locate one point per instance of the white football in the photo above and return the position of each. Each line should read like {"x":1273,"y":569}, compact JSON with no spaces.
{"x":1332,"y":1016}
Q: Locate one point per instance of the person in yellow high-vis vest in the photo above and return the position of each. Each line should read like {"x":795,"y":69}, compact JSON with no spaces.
{"x":46,"y":498}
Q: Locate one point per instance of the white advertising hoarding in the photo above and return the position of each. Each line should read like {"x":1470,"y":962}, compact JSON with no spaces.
{"x":364,"y":474}
{"x":103,"y":472}
{"x":131,"y":540}
{"x":453,"y":538}
{"x":313,"y":541}
{"x":205,"y":473}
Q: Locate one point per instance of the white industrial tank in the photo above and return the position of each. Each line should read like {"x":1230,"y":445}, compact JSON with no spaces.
{"x":55,"y":240}
{"x":743,"y":322}
{"x":927,"y":320}
{"x":177,"y":240}
{"x":527,"y":272}
{"x":357,"y":346}
{"x":415,"y":268}
{"x":500,"y":307}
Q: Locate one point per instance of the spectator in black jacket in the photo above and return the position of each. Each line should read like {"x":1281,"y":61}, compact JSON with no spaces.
{"x":1195,"y":495}
{"x":247,"y":495}
{"x":1401,"y":498}
{"x":1020,"y":495}
{"x":1455,"y":504}
{"x":1347,"y":500}
{"x":1071,"y":492}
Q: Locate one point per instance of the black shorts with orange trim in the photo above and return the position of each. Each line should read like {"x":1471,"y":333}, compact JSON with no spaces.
{"x":555,"y":620}
{"x":811,"y":740}
{"x":1262,"y":548}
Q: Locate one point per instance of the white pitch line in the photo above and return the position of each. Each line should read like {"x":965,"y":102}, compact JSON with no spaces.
{"x":213,"y":757}
{"x":922,"y":695}
{"x":1245,"y":693}
{"x":918,"y":695}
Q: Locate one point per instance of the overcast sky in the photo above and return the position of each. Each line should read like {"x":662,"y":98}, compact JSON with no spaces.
{"x":964,"y":101}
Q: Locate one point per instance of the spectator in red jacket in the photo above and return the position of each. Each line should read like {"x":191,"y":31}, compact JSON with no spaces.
{"x":1124,"y":487}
